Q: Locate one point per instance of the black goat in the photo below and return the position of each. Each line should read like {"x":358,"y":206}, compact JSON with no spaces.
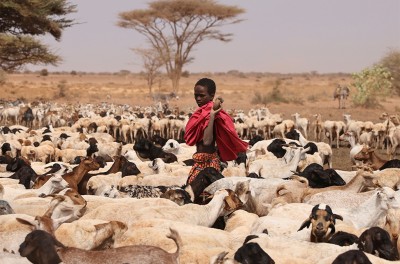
{"x":377,"y":240}
{"x":146,"y":150}
{"x":342,"y":239}
{"x":252,"y":253}
{"x":353,"y":256}
{"x":203,"y":179}
{"x":319,"y":178}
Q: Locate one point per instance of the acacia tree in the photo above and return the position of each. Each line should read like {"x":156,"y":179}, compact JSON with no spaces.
{"x":391,"y":61}
{"x":174,"y":27}
{"x":371,"y":84}
{"x":151,"y":63}
{"x":21,"y":22}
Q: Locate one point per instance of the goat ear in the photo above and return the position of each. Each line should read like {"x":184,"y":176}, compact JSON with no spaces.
{"x":335,"y":216}
{"x":306,"y":223}
{"x":147,"y":145}
{"x":230,"y":202}
{"x":100,"y":226}
{"x":367,"y":245}
{"x":33,"y":223}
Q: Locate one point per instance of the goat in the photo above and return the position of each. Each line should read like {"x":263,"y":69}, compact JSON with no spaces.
{"x":5,"y":208}
{"x":368,"y":155}
{"x":377,"y":240}
{"x":321,"y":218}
{"x":73,"y":178}
{"x":319,"y":178}
{"x":40,"y":247}
{"x":352,"y":256}
{"x":301,"y":123}
{"x":252,"y":253}
{"x":146,"y":150}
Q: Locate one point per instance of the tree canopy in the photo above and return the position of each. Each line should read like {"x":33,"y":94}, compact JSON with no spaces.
{"x":372,"y":84}
{"x":174,"y":27}
{"x":20,"y":24}
{"x":391,"y":61}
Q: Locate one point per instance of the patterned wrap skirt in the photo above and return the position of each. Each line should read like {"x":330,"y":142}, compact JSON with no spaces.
{"x":202,"y":161}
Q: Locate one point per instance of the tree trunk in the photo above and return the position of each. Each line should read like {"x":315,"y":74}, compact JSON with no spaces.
{"x":175,"y":78}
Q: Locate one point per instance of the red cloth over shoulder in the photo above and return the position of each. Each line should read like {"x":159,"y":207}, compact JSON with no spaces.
{"x":228,"y":142}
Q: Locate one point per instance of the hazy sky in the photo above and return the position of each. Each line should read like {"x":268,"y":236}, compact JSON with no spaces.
{"x":288,"y":36}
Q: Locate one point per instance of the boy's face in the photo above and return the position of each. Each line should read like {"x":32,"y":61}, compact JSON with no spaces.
{"x":201,"y":95}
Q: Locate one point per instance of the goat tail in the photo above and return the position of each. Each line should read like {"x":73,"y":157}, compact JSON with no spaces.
{"x":177,"y":239}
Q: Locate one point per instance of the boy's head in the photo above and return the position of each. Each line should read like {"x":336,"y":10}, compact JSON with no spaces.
{"x":210,"y":84}
{"x":204,"y":91}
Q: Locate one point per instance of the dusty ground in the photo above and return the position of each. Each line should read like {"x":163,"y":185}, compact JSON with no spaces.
{"x":307,"y":94}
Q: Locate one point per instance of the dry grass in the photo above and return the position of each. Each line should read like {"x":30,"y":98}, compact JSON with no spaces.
{"x":306,"y":94}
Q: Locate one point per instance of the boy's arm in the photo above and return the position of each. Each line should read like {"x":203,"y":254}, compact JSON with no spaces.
{"x":208,"y":135}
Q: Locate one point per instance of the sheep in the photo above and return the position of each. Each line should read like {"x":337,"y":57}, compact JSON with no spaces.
{"x":271,"y":169}
{"x":5,"y":208}
{"x":324,"y":150}
{"x":40,"y":246}
{"x":44,"y":153}
{"x":353,"y":125}
{"x":388,"y":177}
{"x":107,"y":209}
{"x":222,"y":202}
{"x":68,"y":155}
{"x":340,"y":198}
{"x":333,"y":129}
{"x":182,"y":151}
{"x":365,"y":138}
{"x":317,"y":127}
{"x":301,"y":123}
{"x":356,"y":184}
{"x":354,"y":147}
{"x":55,"y":184}
{"x":90,"y":234}
{"x":96,"y":185}
{"x":172,"y":169}
{"x":262,"y":191}
{"x":109,"y":149}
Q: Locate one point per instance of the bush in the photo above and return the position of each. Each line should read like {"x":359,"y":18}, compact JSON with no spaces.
{"x":185,"y":74}
{"x":392,"y":62}
{"x":44,"y":72}
{"x":274,"y":96}
{"x":371,"y":85}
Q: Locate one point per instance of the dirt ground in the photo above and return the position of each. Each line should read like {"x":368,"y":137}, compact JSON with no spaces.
{"x":306,"y":94}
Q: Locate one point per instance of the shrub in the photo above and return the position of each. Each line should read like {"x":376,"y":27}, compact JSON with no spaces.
{"x":44,"y":72}
{"x":371,"y":85}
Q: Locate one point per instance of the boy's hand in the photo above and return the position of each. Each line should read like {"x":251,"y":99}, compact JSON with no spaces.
{"x":218,"y":103}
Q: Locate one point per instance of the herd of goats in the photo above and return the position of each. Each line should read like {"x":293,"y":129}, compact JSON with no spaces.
{"x":106,"y":183}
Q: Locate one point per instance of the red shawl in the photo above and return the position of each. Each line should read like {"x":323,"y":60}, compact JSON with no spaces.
{"x":228,"y":142}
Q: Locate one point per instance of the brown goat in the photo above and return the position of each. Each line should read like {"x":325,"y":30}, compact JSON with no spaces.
{"x":321,"y":218}
{"x":75,"y":176}
{"x":41,"y":247}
